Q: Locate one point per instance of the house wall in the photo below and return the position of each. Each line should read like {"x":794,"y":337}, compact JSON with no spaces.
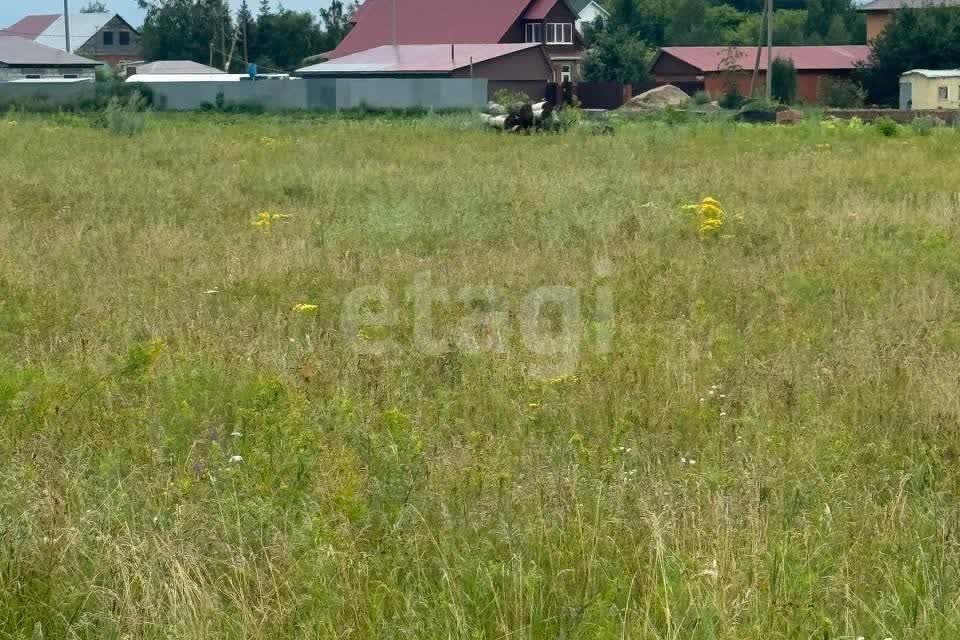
{"x":527,"y":71}
{"x":924,"y":92}
{"x":808,"y":83}
{"x":559,"y":55}
{"x":876,"y":23}
{"x":115,"y":53}
{"x":18,"y":73}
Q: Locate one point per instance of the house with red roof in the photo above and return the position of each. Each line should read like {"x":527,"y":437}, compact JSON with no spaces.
{"x":713,"y":69}
{"x":548,"y":24}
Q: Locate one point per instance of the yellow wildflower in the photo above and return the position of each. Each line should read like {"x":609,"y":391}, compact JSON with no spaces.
{"x":710,"y":215}
{"x":267,"y":141}
{"x":11,"y":123}
{"x":306,"y":308}
{"x":265,"y":219}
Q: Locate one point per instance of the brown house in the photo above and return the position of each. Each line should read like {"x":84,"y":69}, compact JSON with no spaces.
{"x":713,"y":69}
{"x":104,"y":37}
{"x":550,"y":23}
{"x":878,"y":12}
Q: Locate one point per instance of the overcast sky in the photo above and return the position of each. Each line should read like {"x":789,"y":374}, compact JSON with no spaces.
{"x":13,"y":10}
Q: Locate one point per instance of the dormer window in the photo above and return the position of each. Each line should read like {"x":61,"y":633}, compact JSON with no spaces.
{"x":533,"y":32}
{"x":559,"y":33}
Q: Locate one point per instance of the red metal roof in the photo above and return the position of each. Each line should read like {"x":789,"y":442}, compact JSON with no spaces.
{"x":416,"y":58}
{"x":539,"y":9}
{"x":31,"y":26}
{"x":431,"y":22}
{"x":804,"y":58}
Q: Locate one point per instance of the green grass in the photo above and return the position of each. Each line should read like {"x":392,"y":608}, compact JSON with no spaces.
{"x":461,"y":494}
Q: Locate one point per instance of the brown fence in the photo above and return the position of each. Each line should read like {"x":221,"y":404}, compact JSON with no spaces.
{"x":603,"y":95}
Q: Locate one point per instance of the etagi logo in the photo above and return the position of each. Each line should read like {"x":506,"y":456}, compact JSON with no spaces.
{"x":549,"y":326}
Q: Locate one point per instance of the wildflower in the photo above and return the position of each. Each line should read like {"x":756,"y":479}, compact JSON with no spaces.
{"x":267,"y":141}
{"x":265,"y":219}
{"x":236,"y":434}
{"x":823,"y":147}
{"x":305,"y":308}
{"x":11,"y":123}
{"x":236,"y":459}
{"x":710,"y":215}
{"x":723,"y":414}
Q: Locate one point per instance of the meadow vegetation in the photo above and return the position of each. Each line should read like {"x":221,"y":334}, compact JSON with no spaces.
{"x":192,"y":447}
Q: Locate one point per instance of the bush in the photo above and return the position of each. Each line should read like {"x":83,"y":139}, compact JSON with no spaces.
{"x":569,"y":117}
{"x":732,"y":99}
{"x":887,"y":127}
{"x":508,"y":98}
{"x":700,"y":97}
{"x":924,"y":125}
{"x":125,"y":118}
{"x":841,"y":93}
{"x":783,"y":84}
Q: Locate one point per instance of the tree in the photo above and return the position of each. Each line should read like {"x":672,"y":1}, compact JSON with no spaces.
{"x":783,"y":80}
{"x":617,"y":56}
{"x":285,"y":38}
{"x":335,"y":22}
{"x":94,"y":6}
{"x":186,"y":30}
{"x":927,"y":38}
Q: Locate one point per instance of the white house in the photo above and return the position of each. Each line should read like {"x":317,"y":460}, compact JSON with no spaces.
{"x":588,"y":11}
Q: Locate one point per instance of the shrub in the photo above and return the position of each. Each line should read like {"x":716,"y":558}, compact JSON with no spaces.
{"x":732,"y":99}
{"x":783,"y":84}
{"x":125,"y":118}
{"x":841,"y":93}
{"x":700,"y":97}
{"x":508,"y":97}
{"x":924,"y":125}
{"x":569,"y":117}
{"x":887,"y":127}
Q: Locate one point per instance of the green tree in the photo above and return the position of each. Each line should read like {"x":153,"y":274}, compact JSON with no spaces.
{"x":837,"y":33}
{"x":783,"y":80}
{"x":94,"y":6}
{"x":186,"y":29}
{"x":927,"y":38}
{"x":335,"y":22}
{"x":285,"y":38}
{"x":617,"y":56}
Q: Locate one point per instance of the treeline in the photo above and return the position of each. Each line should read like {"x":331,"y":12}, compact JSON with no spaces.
{"x":736,"y":22}
{"x":206,"y":31}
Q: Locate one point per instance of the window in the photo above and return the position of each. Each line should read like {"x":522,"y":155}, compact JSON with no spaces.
{"x":71,"y":76}
{"x":124,"y":38}
{"x":943,"y":93}
{"x":559,"y":33}
{"x":107,"y":38}
{"x":566,"y":74}
{"x":32,"y":76}
{"x":533,"y":32}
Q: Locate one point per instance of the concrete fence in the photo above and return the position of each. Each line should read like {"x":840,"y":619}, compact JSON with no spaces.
{"x":284,"y":95}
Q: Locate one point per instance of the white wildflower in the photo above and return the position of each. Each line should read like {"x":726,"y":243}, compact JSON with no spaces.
{"x":236,"y":459}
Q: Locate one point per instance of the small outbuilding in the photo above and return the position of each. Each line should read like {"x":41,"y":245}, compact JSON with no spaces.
{"x":171,"y":68}
{"x":515,"y":66}
{"x":930,"y":89}
{"x":23,"y":59}
{"x":714,"y":69}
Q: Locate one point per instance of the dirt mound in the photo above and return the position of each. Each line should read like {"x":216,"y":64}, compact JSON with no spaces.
{"x":658,"y":98}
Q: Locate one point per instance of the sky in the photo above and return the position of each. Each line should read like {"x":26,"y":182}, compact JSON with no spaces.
{"x":13,"y":10}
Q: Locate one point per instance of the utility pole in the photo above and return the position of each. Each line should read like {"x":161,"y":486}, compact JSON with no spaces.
{"x":769,"y":50}
{"x":756,"y":62}
{"x":394,"y":23}
{"x":66,"y":23}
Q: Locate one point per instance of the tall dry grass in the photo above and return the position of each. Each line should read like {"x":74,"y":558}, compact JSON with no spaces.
{"x":148,"y":338}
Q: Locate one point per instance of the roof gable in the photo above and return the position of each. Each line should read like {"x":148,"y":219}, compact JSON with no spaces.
{"x":30,"y":26}
{"x":417,"y":58}
{"x":50,"y":29}
{"x":431,"y":22}
{"x":23,"y":51}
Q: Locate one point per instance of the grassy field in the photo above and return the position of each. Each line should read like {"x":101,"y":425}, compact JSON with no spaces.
{"x":761,"y":440}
